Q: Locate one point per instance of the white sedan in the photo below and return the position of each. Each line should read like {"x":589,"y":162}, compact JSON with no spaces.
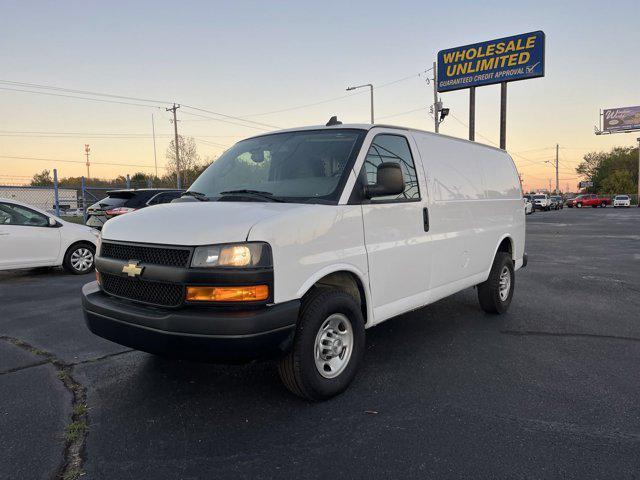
{"x":30,"y":237}
{"x":621,"y":201}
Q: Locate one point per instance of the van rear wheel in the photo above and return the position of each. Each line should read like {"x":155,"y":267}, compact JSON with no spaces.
{"x":496,"y":292}
{"x":327,"y":347}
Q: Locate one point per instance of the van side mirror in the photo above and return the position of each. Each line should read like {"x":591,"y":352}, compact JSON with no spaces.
{"x":389,"y":181}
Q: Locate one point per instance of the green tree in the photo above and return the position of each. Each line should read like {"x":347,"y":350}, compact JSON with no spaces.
{"x":619,"y":181}
{"x":42,"y":179}
{"x":598,"y":166}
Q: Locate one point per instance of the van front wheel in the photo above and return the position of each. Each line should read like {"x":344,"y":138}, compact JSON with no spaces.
{"x":327,"y":347}
{"x":496,"y":292}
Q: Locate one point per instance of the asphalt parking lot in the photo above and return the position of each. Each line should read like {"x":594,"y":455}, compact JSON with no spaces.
{"x":549,"y":390}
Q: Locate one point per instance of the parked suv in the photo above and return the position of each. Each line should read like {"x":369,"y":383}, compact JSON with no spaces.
{"x":541,"y":201}
{"x":292,"y":243}
{"x":556,"y":202}
{"x":119,"y":202}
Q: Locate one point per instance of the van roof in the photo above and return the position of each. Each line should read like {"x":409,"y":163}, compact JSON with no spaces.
{"x":369,"y":126}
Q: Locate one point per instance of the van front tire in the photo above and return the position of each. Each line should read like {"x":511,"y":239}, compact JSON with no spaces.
{"x":496,"y":292}
{"x":327,"y":348}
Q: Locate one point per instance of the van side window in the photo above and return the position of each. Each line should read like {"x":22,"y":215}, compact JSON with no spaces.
{"x":392,"y":148}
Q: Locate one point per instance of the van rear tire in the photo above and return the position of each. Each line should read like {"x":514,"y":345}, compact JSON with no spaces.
{"x":492,"y":294}
{"x":326,"y":316}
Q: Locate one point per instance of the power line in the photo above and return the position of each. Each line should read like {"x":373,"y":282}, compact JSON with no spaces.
{"x":404,"y":113}
{"x":226,"y":121}
{"x":230,"y":116}
{"x":477,"y":133}
{"x":76,"y":161}
{"x":334,"y":99}
{"x":82,"y":92}
{"x":79,"y":97}
{"x":117,"y":134}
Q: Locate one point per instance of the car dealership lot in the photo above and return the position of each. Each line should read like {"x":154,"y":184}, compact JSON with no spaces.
{"x":550,"y":389}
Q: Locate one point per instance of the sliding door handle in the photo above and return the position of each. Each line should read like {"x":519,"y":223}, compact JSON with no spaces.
{"x":425,"y":218}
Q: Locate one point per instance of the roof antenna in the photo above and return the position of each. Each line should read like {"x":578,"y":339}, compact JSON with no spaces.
{"x":333,"y":121}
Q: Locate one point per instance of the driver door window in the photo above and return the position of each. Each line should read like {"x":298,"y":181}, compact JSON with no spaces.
{"x":394,"y":149}
{"x":17,"y":215}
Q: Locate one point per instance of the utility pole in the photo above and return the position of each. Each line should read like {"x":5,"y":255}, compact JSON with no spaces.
{"x":175,"y":131}
{"x":86,"y":152}
{"x":557,"y":177}
{"x":155,"y":158}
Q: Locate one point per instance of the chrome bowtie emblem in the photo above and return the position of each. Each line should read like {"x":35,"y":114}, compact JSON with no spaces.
{"x":132,"y":269}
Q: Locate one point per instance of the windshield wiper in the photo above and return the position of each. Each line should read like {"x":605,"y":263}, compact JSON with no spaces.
{"x":253,"y":193}
{"x":200,"y":196}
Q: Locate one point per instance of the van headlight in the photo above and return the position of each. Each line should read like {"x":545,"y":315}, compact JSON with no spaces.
{"x":238,"y":255}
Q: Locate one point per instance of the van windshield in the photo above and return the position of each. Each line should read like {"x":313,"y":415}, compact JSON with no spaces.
{"x":539,"y":197}
{"x":305,"y":166}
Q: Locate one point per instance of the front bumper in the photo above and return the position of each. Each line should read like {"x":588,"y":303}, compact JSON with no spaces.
{"x":192,"y":332}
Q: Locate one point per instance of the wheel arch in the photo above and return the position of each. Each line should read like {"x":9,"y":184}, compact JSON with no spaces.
{"x":506,"y":244}
{"x":346,"y":277}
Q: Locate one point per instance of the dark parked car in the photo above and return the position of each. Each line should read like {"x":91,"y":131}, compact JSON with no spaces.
{"x":556,"y":202}
{"x":119,"y":202}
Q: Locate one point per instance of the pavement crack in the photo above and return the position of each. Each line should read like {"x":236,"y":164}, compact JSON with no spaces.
{"x":24,"y":367}
{"x":567,"y":334}
{"x":103,"y":357}
{"x":77,"y":428}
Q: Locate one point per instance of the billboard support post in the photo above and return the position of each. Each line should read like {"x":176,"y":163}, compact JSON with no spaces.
{"x":638,"y":172}
{"x":503,"y":115}
{"x":472,"y":114}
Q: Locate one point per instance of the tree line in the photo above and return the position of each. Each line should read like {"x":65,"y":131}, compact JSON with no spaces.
{"x":611,"y":172}
{"x":191,"y":166}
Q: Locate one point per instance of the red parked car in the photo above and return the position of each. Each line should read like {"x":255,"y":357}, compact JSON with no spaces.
{"x":589,"y":200}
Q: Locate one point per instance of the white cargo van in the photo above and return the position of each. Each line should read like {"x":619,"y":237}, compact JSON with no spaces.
{"x":292,"y":243}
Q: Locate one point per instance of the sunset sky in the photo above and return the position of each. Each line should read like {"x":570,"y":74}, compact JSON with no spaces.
{"x":247,"y":58}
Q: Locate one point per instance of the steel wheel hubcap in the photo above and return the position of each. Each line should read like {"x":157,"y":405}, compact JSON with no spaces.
{"x":82,"y":259}
{"x":333,"y":345}
{"x":505,"y":283}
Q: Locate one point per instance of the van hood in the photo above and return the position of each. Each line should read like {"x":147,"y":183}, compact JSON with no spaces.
{"x":192,"y":223}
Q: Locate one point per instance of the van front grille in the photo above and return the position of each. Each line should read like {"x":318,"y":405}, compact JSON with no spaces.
{"x":156,"y":255}
{"x":156,"y":293}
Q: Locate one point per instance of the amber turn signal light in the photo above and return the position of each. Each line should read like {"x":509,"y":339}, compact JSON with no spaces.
{"x":251,"y":293}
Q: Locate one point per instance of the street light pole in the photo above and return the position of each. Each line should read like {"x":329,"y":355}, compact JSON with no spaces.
{"x":371,"y":91}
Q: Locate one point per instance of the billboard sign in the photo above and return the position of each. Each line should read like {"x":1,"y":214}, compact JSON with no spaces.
{"x":585,"y":184}
{"x":621,"y":119}
{"x":503,"y":60}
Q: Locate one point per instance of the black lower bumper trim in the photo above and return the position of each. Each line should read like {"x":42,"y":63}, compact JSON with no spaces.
{"x":192,"y":332}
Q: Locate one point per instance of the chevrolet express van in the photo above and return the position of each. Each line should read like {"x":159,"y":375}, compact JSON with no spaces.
{"x":293,"y":243}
